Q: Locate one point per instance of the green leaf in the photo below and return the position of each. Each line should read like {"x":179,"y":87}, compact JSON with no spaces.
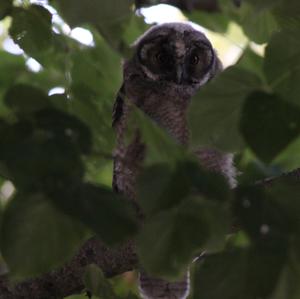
{"x":161,"y":147}
{"x":162,"y":186}
{"x":96,"y":78}
{"x":108,"y":17}
{"x":180,"y":233}
{"x":25,"y":99}
{"x":269,"y":124}
{"x":256,"y":18}
{"x":135,"y":28}
{"x":97,"y":284}
{"x":252,"y":62}
{"x":98,"y":69}
{"x":289,"y":158}
{"x":108,"y":214}
{"x":259,"y":25}
{"x":65,"y":127}
{"x":282,"y":64}
{"x":215,"y":111}
{"x":288,"y":13}
{"x":285,"y":194}
{"x":238,"y":274}
{"x":36,"y":237}
{"x":5,"y":8}
{"x":260,"y":215}
{"x":214,"y":21}
{"x":12,"y":69}
{"x":31,"y":29}
{"x":288,"y":284}
{"x":49,"y":149}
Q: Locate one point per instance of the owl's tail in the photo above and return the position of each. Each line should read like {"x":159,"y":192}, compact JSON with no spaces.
{"x":156,"y":288}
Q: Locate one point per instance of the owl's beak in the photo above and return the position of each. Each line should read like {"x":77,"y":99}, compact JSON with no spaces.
{"x":179,"y":74}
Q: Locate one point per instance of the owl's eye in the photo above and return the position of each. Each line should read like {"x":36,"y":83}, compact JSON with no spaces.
{"x":194,"y":59}
{"x":162,"y":57}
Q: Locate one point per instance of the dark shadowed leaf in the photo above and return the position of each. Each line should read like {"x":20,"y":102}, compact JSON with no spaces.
{"x":288,"y":284}
{"x":235,"y":275}
{"x":285,"y":193}
{"x":269,"y":124}
{"x":170,"y":239}
{"x":12,"y":69}
{"x":49,"y":149}
{"x":288,"y":13}
{"x":26,"y":99}
{"x":260,"y":215}
{"x":162,"y":186}
{"x":5,"y":8}
{"x":36,"y":237}
{"x":31,"y":29}
{"x":109,"y":215}
{"x":109,"y":17}
{"x":282,"y":64}
{"x":215,"y":110}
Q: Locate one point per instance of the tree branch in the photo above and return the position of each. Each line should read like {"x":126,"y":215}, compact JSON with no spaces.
{"x":293,"y":175}
{"x":68,"y":280}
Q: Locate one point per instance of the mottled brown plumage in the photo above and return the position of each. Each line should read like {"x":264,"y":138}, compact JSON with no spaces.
{"x":170,"y":62}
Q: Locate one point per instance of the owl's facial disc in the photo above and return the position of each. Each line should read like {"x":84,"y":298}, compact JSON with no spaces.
{"x":176,"y":59}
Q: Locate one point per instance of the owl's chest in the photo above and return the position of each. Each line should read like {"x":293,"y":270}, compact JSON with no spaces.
{"x":165,"y":103}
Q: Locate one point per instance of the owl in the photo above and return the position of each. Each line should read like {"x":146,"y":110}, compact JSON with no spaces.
{"x":170,"y":62}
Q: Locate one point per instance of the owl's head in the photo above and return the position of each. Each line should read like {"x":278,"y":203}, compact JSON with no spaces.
{"x":176,"y":53}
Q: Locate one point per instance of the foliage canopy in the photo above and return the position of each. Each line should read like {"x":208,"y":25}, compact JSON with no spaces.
{"x":56,"y":151}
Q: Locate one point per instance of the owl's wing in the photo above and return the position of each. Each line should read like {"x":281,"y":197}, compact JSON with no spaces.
{"x":118,"y":106}
{"x":118,"y":110}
